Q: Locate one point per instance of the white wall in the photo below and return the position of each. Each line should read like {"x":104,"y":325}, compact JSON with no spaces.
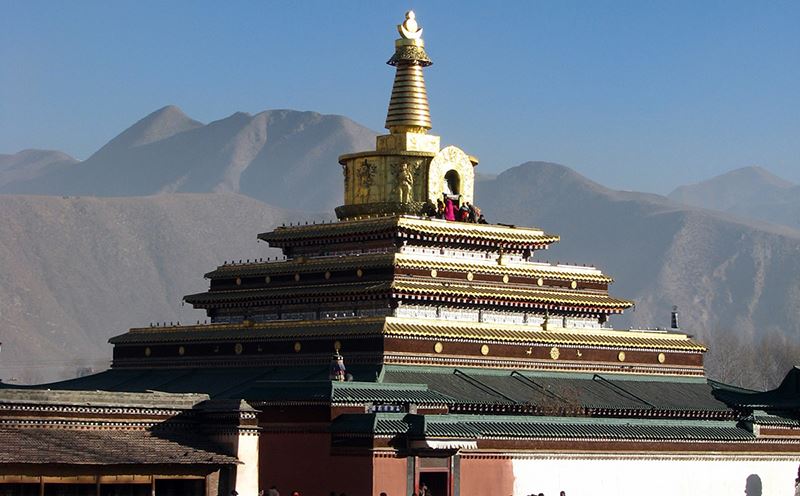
{"x":247,"y":472}
{"x":652,"y":476}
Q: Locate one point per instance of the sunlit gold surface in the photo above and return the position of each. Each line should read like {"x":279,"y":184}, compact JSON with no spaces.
{"x":408,"y":105}
{"x":407,"y":168}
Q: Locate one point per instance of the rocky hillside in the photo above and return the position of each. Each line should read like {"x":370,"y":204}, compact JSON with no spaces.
{"x":282,"y":157}
{"x":77,"y":271}
{"x":749,"y":192}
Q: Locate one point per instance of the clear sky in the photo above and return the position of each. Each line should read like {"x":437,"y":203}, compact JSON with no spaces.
{"x":634,"y":94}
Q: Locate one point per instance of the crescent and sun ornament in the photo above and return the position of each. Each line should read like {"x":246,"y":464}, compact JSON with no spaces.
{"x":410,"y":30}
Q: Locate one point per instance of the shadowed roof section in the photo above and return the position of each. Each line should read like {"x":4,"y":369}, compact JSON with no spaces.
{"x":461,"y":388}
{"x":784,"y":397}
{"x":105,"y":447}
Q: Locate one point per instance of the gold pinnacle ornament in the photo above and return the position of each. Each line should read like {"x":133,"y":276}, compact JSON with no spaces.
{"x":408,"y":106}
{"x":408,"y":172}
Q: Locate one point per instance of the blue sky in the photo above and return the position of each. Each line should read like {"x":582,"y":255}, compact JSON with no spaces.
{"x":634,"y":94}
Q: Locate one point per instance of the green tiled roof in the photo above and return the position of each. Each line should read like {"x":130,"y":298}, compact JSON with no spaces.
{"x":343,"y":393}
{"x":465,"y":390}
{"x":764,"y":419}
{"x":712,"y":431}
{"x":383,"y":424}
{"x":216,"y":382}
{"x":531,"y":427}
{"x":555,"y":390}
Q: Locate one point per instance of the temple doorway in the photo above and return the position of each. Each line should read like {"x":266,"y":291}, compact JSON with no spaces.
{"x":438,"y":483}
{"x":452,"y":183}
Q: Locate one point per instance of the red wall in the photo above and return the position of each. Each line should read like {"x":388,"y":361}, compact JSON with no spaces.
{"x":482,"y":476}
{"x":303,"y":462}
{"x":389,"y":476}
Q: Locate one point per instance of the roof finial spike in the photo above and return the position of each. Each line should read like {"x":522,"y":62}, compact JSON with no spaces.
{"x":674,"y":319}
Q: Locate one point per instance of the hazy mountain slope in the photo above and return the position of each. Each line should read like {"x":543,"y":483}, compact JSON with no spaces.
{"x":161,"y":124}
{"x":78,"y":270}
{"x":726,"y":275}
{"x":750,"y":191}
{"x":299,"y":168}
{"x":282,"y":157}
{"x":29,"y":164}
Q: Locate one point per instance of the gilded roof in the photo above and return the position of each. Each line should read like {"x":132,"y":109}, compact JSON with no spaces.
{"x":413,"y":328}
{"x":437,"y":289}
{"x":411,"y":261}
{"x":256,"y":331}
{"x":490,"y":266}
{"x":534,"y":335}
{"x":408,"y":227}
{"x":483,"y":293}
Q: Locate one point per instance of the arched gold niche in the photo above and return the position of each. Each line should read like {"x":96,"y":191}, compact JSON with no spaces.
{"x":453,"y":164}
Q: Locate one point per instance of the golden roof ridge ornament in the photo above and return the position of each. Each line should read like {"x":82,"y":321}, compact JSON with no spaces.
{"x":408,"y":105}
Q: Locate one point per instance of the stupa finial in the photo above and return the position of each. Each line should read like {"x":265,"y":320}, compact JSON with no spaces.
{"x":408,"y":106}
{"x":410,"y":30}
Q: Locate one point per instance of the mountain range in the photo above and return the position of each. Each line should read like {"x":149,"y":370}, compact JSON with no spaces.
{"x":749,"y":192}
{"x":79,"y":270}
{"x":29,"y":165}
{"x":282,"y":157}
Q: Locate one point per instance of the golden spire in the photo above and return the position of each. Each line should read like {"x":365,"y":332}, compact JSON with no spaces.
{"x":408,"y":106}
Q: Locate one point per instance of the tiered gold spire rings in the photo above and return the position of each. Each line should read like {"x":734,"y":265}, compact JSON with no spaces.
{"x":408,"y":106}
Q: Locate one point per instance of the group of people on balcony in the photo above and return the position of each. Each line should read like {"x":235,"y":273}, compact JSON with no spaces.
{"x":448,"y":208}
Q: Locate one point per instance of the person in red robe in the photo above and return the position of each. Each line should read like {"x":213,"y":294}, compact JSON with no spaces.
{"x":449,"y":209}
